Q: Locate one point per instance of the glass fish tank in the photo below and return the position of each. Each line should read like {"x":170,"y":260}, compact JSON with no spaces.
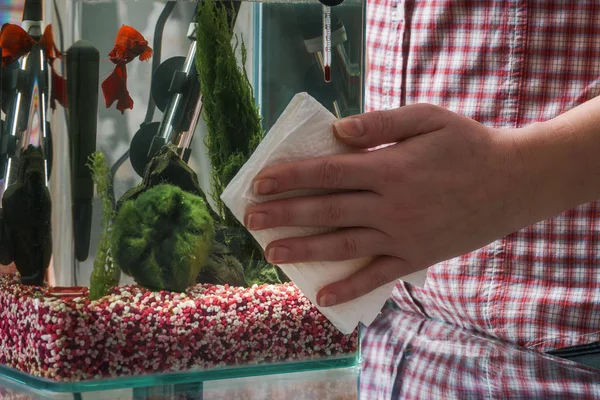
{"x":122,"y":123}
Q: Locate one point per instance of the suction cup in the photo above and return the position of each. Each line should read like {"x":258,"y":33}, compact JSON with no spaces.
{"x":161,"y":81}
{"x":311,"y":27}
{"x":140,"y":145}
{"x":331,"y":3}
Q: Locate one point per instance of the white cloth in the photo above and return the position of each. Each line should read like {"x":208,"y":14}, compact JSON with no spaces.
{"x":303,"y":131}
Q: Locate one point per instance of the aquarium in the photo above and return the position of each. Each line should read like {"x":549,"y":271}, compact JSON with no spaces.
{"x":122,"y":123}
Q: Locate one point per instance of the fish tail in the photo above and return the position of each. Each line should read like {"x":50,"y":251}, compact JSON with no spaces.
{"x":146,"y":54}
{"x":110,"y":87}
{"x":114,"y":89}
{"x":58,"y":52}
{"x":125,"y":101}
{"x":59,"y":90}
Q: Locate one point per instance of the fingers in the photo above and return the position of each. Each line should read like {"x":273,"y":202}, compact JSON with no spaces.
{"x":385,"y":127}
{"x":336,"y":210}
{"x":350,"y":172}
{"x":381,"y":271}
{"x":363,"y":171}
{"x":341,"y":245}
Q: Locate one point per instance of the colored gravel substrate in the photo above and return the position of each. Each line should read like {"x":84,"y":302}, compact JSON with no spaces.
{"x":62,"y":335}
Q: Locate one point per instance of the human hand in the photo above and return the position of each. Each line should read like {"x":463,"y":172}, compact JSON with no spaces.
{"x":448,"y":186}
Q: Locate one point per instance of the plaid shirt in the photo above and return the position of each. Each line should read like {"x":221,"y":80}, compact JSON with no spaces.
{"x":408,"y":356}
{"x":505,"y":64}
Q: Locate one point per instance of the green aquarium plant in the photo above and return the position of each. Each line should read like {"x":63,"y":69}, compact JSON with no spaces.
{"x":163,"y":238}
{"x":234,"y":126}
{"x":165,"y":234}
{"x":105,"y":275}
{"x":231,"y":115}
{"x":166,"y":167}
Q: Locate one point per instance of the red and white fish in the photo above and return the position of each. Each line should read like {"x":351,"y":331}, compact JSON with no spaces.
{"x":129,"y":44}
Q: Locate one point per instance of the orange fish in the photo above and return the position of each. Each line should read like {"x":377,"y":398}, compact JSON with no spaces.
{"x":129,"y":44}
{"x":47,"y":42}
{"x":15,"y":43}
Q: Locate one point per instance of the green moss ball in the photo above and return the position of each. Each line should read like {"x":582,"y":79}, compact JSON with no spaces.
{"x":163,"y":238}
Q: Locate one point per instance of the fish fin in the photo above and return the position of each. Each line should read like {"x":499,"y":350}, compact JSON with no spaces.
{"x":125,"y":101}
{"x":58,"y":53}
{"x":47,"y":42}
{"x":117,"y":54}
{"x":111,"y":87}
{"x":146,"y":54}
{"x":59,"y":90}
{"x":114,"y":89}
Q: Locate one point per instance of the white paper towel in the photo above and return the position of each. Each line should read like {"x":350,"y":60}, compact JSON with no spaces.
{"x":303,"y":131}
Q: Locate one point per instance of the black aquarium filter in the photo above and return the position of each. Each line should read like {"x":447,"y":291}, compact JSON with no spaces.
{"x":83,"y":61}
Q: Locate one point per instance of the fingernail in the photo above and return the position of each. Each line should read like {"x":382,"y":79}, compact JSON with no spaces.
{"x":278,"y":254}
{"x":327,"y":300}
{"x":349,"y":127}
{"x":265,"y":186}
{"x":256,"y":221}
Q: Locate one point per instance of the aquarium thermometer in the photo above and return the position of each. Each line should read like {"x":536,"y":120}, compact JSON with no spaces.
{"x":327,"y":42}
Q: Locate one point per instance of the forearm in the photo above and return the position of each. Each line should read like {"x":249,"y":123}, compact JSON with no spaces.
{"x":564,"y":159}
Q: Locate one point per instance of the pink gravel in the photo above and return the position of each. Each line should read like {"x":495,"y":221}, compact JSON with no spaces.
{"x":133,"y":331}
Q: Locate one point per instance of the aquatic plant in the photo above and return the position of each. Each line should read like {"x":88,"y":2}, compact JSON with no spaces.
{"x":232,"y":118}
{"x":233,"y":122}
{"x":152,"y":239}
{"x":163,"y":238}
{"x":167,"y":168}
{"x":105,"y":275}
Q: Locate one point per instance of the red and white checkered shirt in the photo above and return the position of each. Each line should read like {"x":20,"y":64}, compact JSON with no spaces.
{"x":505,"y":64}
{"x":407,"y":356}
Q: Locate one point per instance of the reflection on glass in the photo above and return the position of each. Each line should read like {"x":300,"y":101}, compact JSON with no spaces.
{"x":409,"y":356}
{"x":129,"y":267}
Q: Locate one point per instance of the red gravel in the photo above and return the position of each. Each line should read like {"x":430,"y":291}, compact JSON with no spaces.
{"x":133,"y":331}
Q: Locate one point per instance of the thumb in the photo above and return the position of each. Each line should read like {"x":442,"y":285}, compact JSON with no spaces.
{"x":391,"y":126}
